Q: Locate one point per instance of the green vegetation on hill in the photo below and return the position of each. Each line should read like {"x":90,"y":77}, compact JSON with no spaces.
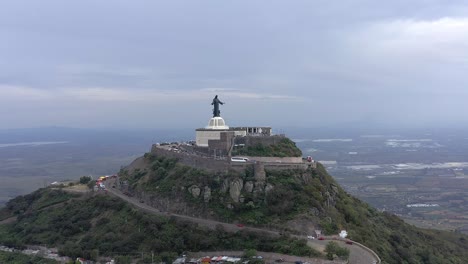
{"x":18,"y":258}
{"x":285,"y":148}
{"x":164,"y":177}
{"x":392,"y":239}
{"x":34,"y":201}
{"x":310,"y":193}
{"x":333,"y":248}
{"x":107,"y":226}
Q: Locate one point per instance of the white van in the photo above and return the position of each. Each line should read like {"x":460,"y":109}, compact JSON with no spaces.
{"x":239,"y":159}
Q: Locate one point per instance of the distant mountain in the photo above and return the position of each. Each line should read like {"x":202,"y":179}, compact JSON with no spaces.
{"x":91,"y":135}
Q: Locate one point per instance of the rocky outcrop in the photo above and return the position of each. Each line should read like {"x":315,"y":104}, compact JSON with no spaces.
{"x":207,"y":194}
{"x":306,"y":178}
{"x":195,"y":191}
{"x":241,"y":198}
{"x":235,"y":188}
{"x":330,"y":199}
{"x":225,"y":186}
{"x":314,"y":211}
{"x":248,"y":186}
{"x":269,"y":187}
{"x":259,"y":187}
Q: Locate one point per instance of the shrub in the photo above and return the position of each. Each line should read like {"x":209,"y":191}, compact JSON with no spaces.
{"x":332,"y":248}
{"x":85,"y":179}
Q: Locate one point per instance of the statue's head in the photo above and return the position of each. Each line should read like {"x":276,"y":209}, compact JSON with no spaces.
{"x":216,"y":96}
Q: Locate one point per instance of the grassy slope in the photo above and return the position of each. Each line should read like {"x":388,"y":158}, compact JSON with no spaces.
{"x":18,"y":258}
{"x":285,"y":148}
{"x":394,"y":240}
{"x":108,"y":226}
{"x":296,"y":193}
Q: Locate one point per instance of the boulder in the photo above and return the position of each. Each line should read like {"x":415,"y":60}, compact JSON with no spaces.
{"x":314,"y":211}
{"x":235,"y":189}
{"x":248,"y":186}
{"x":194,"y":190}
{"x":241,"y":198}
{"x":225,"y":186}
{"x":269,"y":187}
{"x":207,"y":194}
{"x":259,"y":187}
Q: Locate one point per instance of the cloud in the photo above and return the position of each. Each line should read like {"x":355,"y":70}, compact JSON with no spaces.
{"x":24,"y":93}
{"x":108,"y":70}
{"x":98,"y":94}
{"x":243,"y":94}
{"x":443,"y":39}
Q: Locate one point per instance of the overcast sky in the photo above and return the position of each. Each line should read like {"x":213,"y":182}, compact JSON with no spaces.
{"x":158,"y":64}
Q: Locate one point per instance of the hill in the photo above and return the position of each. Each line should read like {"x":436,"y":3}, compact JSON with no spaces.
{"x":100,"y":225}
{"x":17,"y":258}
{"x":296,"y":201}
{"x":284,"y":148}
{"x":290,"y":200}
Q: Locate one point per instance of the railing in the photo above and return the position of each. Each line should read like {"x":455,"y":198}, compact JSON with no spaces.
{"x":360,"y":245}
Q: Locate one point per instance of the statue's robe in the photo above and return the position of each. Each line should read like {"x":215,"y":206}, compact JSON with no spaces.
{"x":216,"y":102}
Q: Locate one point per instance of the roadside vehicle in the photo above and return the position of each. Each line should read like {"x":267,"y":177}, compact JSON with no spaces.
{"x":239,"y":159}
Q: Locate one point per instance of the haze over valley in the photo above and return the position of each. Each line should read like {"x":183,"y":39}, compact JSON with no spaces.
{"x":421,"y":176}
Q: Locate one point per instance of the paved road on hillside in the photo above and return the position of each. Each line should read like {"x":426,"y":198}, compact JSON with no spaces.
{"x":357,"y":254}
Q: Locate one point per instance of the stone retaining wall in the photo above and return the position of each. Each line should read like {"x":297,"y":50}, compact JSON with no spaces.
{"x":192,"y":160}
{"x":276,"y":159}
{"x":208,"y":163}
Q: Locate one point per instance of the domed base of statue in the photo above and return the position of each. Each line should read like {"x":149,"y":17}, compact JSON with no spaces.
{"x":217,"y":123}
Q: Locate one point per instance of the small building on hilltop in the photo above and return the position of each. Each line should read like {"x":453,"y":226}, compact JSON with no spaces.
{"x":218,"y":139}
{"x":219,"y":147}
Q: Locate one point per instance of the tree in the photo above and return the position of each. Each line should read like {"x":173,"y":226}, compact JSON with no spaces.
{"x":91,"y":184}
{"x":248,"y":253}
{"x":85,"y":179}
{"x":332,"y":248}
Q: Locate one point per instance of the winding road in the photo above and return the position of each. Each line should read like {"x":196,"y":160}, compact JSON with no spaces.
{"x":358,"y":254}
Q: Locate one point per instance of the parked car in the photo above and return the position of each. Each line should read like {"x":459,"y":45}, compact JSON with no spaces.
{"x":321,"y":238}
{"x":240,"y":225}
{"x":349,"y":242}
